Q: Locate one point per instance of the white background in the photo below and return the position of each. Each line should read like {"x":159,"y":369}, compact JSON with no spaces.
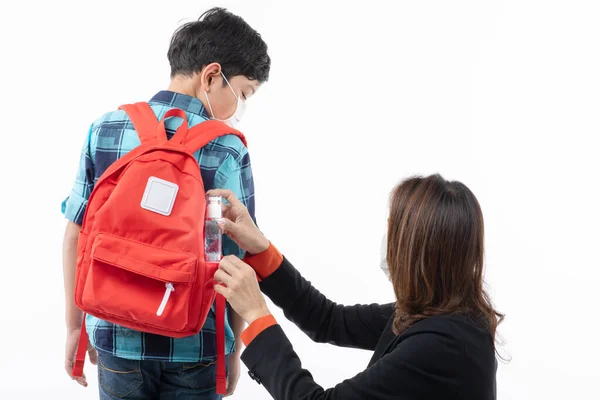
{"x":501,"y":95}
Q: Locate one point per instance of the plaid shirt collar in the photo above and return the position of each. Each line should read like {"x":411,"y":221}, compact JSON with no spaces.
{"x":187,"y":103}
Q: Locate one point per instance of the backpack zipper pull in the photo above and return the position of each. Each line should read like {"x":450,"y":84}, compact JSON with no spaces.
{"x":165,"y":299}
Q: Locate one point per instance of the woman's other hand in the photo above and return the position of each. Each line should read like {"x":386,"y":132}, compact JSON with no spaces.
{"x":238,"y":225}
{"x":241,"y":289}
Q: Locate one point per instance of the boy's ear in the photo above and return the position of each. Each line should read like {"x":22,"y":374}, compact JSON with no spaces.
{"x":210,"y":73}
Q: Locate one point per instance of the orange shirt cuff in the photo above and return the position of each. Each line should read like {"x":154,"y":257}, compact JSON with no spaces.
{"x":265,"y":263}
{"x":255,"y":328}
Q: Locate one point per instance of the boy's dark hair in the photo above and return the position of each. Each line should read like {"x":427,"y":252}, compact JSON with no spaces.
{"x":219,"y":36}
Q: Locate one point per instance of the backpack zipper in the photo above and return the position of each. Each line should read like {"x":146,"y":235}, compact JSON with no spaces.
{"x":163,"y":304}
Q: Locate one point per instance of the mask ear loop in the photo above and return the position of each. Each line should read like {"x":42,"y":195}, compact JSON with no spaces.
{"x":230,"y":87}
{"x":208,"y":99}
{"x":240,"y":103}
{"x":239,"y":100}
{"x":209,"y":106}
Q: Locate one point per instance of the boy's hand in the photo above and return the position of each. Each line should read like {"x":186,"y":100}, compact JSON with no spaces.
{"x":234,"y":374}
{"x":71,"y":351}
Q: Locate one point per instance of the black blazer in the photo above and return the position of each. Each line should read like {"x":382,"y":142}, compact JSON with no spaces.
{"x":445,"y":357}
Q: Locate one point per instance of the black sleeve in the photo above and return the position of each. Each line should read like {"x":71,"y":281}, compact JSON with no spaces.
{"x":421,"y":367}
{"x":324,"y":321}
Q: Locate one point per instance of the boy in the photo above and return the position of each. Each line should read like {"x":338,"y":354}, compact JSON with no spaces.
{"x":216,"y":63}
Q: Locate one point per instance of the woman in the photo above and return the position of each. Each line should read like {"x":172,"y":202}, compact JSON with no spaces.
{"x":435,"y":342}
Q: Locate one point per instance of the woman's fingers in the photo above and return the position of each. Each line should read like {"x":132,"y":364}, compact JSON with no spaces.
{"x":230,"y":264}
{"x":237,"y":263}
{"x":241,"y":290}
{"x":222,"y":290}
{"x":238,"y":268}
{"x":223,"y":277}
{"x":226,"y":210}
{"x":229,"y":270}
{"x":227,"y":195}
{"x":228,"y":227}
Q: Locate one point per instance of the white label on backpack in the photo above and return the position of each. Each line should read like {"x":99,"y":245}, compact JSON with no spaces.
{"x":159,"y":196}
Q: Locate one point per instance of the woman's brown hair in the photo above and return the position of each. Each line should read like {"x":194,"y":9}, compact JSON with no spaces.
{"x":435,"y":253}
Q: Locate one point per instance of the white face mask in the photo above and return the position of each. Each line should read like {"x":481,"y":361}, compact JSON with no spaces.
{"x":239,"y":109}
{"x":383,"y":260}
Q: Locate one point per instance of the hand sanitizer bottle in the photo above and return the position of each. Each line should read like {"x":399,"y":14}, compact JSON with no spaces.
{"x":213,"y":237}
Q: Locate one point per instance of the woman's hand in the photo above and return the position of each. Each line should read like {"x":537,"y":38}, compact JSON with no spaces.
{"x":241,"y":289}
{"x":238,"y":225}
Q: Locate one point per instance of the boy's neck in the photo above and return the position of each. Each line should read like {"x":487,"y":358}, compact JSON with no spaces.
{"x":182,"y":85}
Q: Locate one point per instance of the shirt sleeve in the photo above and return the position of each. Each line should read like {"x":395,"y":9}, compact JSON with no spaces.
{"x":236,"y":175}
{"x":265,"y":263}
{"x":73,"y":207}
{"x":256,"y":327}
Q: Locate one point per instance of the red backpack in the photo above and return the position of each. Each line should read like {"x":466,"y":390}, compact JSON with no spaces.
{"x":140,"y":257}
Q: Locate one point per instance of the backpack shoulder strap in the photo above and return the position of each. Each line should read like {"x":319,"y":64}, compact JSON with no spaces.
{"x":205,"y":132}
{"x":143,"y":119}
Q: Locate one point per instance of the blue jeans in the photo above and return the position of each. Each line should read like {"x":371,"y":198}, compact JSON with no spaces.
{"x":120,"y":378}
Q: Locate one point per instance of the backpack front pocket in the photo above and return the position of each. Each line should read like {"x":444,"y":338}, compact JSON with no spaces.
{"x":140,"y":283}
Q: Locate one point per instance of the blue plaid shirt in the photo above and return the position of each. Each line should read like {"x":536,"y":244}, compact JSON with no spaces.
{"x":224,"y":163}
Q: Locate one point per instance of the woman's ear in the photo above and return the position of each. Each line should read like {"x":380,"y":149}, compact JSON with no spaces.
{"x":209,"y":74}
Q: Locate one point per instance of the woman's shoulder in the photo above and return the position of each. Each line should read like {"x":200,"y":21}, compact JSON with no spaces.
{"x":458,"y":335}
{"x":456,"y":351}
{"x":451,"y":342}
{"x":451,"y":325}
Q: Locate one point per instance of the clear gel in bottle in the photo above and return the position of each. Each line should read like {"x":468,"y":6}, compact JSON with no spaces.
{"x":213,"y":237}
